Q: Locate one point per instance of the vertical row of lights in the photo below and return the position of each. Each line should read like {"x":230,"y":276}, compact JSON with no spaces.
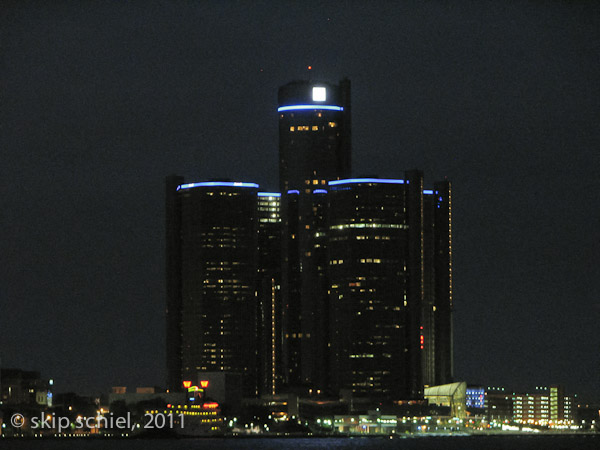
{"x":273,"y":337}
{"x":450,"y":244}
{"x":422,"y":252}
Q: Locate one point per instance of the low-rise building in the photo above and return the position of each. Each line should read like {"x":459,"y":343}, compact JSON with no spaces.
{"x":26,"y":388}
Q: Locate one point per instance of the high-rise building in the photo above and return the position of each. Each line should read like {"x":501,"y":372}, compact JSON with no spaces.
{"x":437,"y":294}
{"x":314,"y":134}
{"x":268,"y":291}
{"x":369,"y":275}
{"x":384,"y":320}
{"x":314,"y":147}
{"x":212,"y":270}
{"x":173,"y":279}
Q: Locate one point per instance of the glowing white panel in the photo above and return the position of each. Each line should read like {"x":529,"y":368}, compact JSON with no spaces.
{"x":319,"y":94}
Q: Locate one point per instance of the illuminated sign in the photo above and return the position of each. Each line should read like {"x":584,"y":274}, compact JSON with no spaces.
{"x":319,"y":94}
{"x":187,"y":384}
{"x":211,"y":405}
{"x":204,"y":383}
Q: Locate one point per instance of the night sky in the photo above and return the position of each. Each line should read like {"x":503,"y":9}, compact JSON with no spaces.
{"x":101,"y":100}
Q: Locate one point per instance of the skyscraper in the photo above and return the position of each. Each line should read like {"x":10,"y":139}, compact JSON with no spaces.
{"x":377,"y":250}
{"x":173,"y":279}
{"x":213,"y":255}
{"x":369,"y":276}
{"x":268,"y":292}
{"x":314,"y":147}
{"x":438,"y":296}
{"x":314,"y":134}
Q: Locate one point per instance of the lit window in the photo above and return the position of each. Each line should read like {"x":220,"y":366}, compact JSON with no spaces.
{"x":315,"y":128}
{"x":315,"y":181}
{"x":292,"y":129}
{"x":332,"y":124}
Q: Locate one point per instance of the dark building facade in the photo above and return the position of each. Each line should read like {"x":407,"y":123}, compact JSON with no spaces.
{"x":438,"y":297}
{"x":214,"y":259}
{"x":314,"y":134}
{"x":268,"y":291}
{"x":173,"y":280}
{"x":371,"y":339}
{"x":390,"y":287}
{"x":314,"y":147}
{"x":24,"y":388}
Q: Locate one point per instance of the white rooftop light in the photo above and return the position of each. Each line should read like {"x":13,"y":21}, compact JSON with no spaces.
{"x":319,"y":94}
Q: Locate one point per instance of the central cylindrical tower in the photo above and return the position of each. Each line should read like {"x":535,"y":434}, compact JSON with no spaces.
{"x":314,"y":148}
{"x":314,"y":134}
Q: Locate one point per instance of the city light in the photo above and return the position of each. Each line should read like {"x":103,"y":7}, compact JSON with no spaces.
{"x":218,"y":183}
{"x":365,"y":180}
{"x":305,"y":107}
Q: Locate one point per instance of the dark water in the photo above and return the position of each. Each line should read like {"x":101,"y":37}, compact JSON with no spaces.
{"x":567,"y":442}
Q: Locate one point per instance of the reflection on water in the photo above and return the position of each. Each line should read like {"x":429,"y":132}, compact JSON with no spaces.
{"x":565,"y":442}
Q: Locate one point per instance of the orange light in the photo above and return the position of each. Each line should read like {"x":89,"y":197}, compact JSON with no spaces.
{"x":309,"y":67}
{"x":187,"y":384}
{"x":204,"y":383}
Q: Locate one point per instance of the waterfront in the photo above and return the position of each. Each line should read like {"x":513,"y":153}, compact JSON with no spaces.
{"x":514,"y":442}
